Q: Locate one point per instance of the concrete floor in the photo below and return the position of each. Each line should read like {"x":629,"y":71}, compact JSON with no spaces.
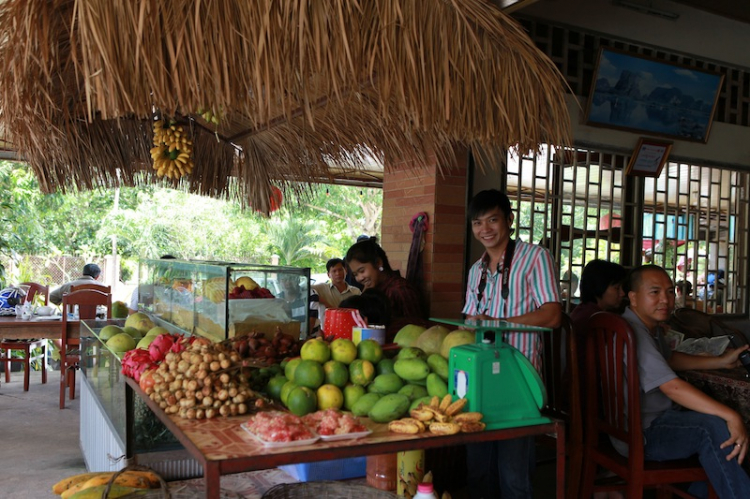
{"x":40,"y":443}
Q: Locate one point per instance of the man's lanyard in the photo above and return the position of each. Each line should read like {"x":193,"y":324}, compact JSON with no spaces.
{"x":509,"y":250}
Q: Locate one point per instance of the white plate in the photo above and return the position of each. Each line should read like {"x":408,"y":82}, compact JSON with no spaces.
{"x":38,"y":318}
{"x":293,"y":443}
{"x":345,"y":436}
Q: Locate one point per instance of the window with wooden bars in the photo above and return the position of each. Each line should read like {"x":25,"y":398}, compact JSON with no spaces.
{"x":692,"y":220}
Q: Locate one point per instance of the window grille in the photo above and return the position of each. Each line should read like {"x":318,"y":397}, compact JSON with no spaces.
{"x":692,"y":220}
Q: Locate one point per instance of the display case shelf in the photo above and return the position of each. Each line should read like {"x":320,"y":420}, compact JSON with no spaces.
{"x":201,"y":297}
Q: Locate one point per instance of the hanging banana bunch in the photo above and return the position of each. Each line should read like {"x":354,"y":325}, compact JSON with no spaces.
{"x":171,"y":151}
{"x":210,"y":116}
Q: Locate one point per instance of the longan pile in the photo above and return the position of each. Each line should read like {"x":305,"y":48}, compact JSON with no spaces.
{"x":203,"y":382}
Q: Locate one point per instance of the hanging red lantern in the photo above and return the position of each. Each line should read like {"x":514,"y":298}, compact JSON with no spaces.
{"x":275,"y":200}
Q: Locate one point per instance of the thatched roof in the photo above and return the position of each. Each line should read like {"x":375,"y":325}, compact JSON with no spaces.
{"x":299,"y":85}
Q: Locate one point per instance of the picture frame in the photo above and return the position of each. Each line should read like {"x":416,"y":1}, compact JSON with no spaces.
{"x":648,"y":158}
{"x":637,"y":93}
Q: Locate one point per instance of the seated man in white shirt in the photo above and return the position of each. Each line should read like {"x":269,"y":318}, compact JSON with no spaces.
{"x":332,"y":293}
{"x":91,"y":273}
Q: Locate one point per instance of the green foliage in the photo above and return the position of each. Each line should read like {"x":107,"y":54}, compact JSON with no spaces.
{"x":341,"y":213}
{"x":149,"y":221}
{"x":25,"y":272}
{"x":126,"y":273}
{"x":294,"y":241}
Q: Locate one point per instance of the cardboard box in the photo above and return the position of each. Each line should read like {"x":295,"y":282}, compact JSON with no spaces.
{"x":268,"y":328}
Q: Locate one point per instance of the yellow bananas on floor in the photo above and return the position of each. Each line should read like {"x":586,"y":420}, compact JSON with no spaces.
{"x":70,"y":481}
{"x":171,"y":151}
{"x":72,"y":486}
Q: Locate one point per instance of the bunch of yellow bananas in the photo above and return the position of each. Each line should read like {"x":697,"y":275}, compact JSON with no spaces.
{"x":91,"y":485}
{"x":440,"y":417}
{"x":171,"y":151}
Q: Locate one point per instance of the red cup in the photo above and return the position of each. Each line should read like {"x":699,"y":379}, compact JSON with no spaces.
{"x":339,"y":323}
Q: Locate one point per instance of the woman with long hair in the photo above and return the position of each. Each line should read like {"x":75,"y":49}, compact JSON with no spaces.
{"x":370,"y":267}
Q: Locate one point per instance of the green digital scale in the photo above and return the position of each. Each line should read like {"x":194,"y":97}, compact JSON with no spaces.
{"x":497,"y":379}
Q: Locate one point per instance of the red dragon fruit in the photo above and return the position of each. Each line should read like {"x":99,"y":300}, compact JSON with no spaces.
{"x":135,"y":362}
{"x":161,"y":345}
{"x":138,"y":360}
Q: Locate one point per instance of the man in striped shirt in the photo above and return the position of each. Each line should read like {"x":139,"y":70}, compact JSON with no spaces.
{"x":518,"y":282}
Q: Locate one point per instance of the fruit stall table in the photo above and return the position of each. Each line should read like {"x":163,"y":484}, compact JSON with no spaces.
{"x":38,"y":327}
{"x":223,"y":447}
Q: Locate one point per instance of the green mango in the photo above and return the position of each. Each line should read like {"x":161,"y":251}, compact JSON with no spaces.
{"x":439,"y":365}
{"x":413,"y":391}
{"x":411,"y":353}
{"x":362,"y":406}
{"x":436,"y":386}
{"x":411,"y":369}
{"x":389,"y":407}
{"x":385,"y":384}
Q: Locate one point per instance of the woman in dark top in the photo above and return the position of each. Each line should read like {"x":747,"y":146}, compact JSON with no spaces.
{"x":369,"y":265}
{"x":601,"y":290}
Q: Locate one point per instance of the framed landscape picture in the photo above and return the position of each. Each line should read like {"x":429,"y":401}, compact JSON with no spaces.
{"x":632,"y":92}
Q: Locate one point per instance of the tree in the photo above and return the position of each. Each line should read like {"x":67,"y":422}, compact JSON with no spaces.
{"x":294,"y":241}
{"x":151,"y":221}
{"x":341,"y":213}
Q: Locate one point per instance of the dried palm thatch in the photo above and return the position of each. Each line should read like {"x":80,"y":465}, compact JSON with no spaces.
{"x":298,"y":85}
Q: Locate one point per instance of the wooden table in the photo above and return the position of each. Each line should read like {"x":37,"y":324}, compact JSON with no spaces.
{"x":15,"y":328}
{"x":223,"y":447}
{"x":729,"y":386}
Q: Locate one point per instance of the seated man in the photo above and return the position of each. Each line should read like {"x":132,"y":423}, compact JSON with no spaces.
{"x":703,"y":426}
{"x":331,"y":294}
{"x":91,"y":273}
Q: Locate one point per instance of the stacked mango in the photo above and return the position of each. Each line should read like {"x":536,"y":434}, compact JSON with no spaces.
{"x":92,"y":485}
{"x":440,"y":417}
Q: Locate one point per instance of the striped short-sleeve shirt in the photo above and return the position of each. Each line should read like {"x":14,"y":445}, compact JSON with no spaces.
{"x":532,"y":283}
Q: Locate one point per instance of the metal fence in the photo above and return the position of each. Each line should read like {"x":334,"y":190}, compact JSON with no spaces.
{"x":47,"y":270}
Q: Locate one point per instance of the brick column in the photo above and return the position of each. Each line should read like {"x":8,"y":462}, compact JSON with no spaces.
{"x":408,"y":191}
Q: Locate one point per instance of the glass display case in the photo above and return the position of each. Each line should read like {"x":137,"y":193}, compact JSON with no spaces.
{"x":219,"y":300}
{"x":114,"y":423}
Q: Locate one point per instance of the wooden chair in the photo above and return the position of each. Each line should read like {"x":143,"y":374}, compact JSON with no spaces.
{"x":87,"y":301}
{"x":34,"y":289}
{"x":618,"y":414}
{"x":97,"y":287}
{"x":562,"y":381}
{"x":32,"y":349}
